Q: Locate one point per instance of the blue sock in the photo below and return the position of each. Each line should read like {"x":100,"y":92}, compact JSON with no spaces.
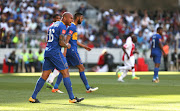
{"x":38,"y":87}
{"x":59,"y":79}
{"x":156,"y":70}
{"x":83,"y":78}
{"x":68,"y":85}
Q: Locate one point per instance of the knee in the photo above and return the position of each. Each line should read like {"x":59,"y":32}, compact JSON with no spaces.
{"x":65,"y":73}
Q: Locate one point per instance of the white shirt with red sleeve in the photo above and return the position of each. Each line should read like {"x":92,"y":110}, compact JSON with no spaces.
{"x":129,"y":47}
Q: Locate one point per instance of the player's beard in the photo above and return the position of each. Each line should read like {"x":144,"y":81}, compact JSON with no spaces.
{"x":79,"y":22}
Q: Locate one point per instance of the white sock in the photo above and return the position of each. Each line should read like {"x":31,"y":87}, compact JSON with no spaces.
{"x":123,"y":75}
{"x":133,"y":72}
{"x":52,"y":76}
{"x":49,"y":79}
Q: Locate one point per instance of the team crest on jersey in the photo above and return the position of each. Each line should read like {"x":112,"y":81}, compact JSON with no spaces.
{"x":63,"y":31}
{"x":71,"y":32}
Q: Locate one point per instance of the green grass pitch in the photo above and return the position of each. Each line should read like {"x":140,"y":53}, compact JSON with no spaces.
{"x":133,"y":95}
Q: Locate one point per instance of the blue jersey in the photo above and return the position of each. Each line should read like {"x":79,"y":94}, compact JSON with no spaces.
{"x":72,"y":31}
{"x":72,"y":56}
{"x":56,"y":29}
{"x":156,"y":38}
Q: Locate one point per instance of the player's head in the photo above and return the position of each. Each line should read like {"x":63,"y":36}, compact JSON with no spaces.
{"x":56,"y":17}
{"x":30,"y":51}
{"x":78,"y":17}
{"x":67,"y":18}
{"x":134,"y":38}
{"x":160,"y":30}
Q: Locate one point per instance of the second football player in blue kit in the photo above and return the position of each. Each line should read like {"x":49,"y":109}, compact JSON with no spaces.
{"x":156,"y":52}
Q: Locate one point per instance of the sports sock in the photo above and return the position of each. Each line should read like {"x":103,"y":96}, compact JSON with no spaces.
{"x":123,"y":75}
{"x":52,"y":76}
{"x":38,"y":87}
{"x":156,"y":70}
{"x":59,"y":79}
{"x":133,"y":72}
{"x":83,"y":78}
{"x":68,"y":85}
{"x":49,"y":79}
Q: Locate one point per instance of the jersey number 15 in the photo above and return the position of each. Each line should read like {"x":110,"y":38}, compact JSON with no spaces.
{"x":50,"y":35}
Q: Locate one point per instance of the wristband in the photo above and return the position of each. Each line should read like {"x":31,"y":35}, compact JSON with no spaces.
{"x":67,"y":45}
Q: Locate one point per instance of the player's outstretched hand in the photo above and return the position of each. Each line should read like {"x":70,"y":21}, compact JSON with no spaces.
{"x":68,"y":45}
{"x":88,"y":48}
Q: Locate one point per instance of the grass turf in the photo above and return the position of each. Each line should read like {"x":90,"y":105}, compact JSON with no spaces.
{"x":133,"y":95}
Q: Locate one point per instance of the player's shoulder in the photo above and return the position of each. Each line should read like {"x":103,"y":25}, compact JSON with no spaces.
{"x":129,"y":39}
{"x":72,"y":27}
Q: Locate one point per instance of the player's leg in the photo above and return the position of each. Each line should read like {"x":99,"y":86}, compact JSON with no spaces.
{"x":124,"y":74}
{"x":84,"y":79}
{"x":39,"y":85}
{"x":132,"y":61}
{"x":157,"y":60}
{"x":127,"y":66}
{"x":61,"y":65}
{"x":56,"y":85}
{"x":47,"y":68}
{"x":52,"y":76}
{"x":68,"y":85}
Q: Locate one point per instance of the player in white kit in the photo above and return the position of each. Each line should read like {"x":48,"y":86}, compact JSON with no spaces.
{"x":128,"y":58}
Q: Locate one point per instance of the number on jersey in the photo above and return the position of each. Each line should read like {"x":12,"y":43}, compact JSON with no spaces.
{"x":50,"y":35}
{"x":154,"y":42}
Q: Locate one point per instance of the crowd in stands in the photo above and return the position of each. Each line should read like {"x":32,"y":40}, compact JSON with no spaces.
{"x":27,"y":60}
{"x":32,"y":17}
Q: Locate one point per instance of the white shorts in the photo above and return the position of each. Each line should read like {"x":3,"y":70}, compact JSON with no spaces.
{"x":129,"y":62}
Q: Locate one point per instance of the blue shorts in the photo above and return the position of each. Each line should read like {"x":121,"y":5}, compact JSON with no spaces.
{"x":73,"y":58}
{"x":57,"y":61}
{"x":156,"y":59}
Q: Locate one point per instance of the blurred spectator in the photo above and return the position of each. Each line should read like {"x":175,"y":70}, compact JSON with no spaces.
{"x":129,"y":18}
{"x":11,"y":61}
{"x":101,"y":66}
{"x":174,"y":57}
{"x":166,"y":50}
{"x":140,"y":39}
{"x":33,"y":26}
{"x":82,"y":9}
{"x":31,"y":60}
{"x":108,"y":59}
{"x":15,"y":40}
{"x":24,"y":60}
{"x":39,"y":60}
{"x":45,"y":27}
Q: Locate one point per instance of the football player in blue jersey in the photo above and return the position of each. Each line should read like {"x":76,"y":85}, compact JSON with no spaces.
{"x":156,"y":52}
{"x":72,"y":55}
{"x":55,"y":59}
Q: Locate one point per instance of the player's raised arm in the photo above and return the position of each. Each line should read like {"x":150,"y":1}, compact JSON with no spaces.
{"x":84,"y":46}
{"x":63,"y":43}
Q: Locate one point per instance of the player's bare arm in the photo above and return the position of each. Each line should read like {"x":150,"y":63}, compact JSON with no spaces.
{"x":84,"y":46}
{"x":63,"y":43}
{"x":66,"y":41}
{"x":125,"y":52}
{"x":151,"y":51}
